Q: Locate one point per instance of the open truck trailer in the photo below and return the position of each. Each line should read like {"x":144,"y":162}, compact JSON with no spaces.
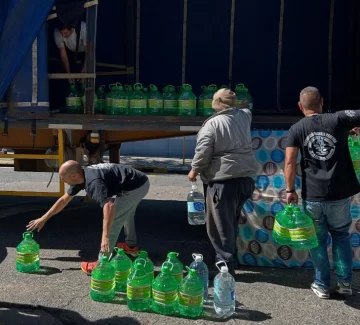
{"x":274,"y":47}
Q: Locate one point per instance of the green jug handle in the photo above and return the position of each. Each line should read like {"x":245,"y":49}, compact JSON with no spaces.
{"x":119,"y":250}
{"x":111,"y":86}
{"x":153,"y":87}
{"x":28,"y":232}
{"x":138,"y":86}
{"x":118,"y":84}
{"x":166,"y":89}
{"x":171,"y":88}
{"x":165,"y":264}
{"x":204,"y":88}
{"x":212,"y":87}
{"x":173,"y":254}
{"x":140,"y":261}
{"x":239,"y":87}
{"x":194,"y":256}
{"x":187,"y":87}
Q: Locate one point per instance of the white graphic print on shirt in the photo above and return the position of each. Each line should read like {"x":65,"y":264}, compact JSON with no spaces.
{"x":320,"y":145}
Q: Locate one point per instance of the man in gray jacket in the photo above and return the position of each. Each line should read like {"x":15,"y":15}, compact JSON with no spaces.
{"x":225,"y":161}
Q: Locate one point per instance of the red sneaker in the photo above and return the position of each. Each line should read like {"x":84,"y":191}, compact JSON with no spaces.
{"x":87,"y":267}
{"x":133,"y":251}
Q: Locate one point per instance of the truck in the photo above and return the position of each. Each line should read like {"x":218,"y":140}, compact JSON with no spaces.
{"x":275,"y":48}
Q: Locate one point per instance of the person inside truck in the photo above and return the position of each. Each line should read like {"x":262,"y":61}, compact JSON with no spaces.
{"x":226,"y":163}
{"x":117,"y":188}
{"x":71,"y":43}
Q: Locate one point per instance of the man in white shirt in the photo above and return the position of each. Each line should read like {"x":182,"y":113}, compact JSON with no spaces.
{"x":66,"y":40}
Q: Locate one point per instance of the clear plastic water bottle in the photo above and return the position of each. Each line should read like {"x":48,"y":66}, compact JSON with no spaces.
{"x":202,"y":271}
{"x":196,"y":206}
{"x":224,"y":292}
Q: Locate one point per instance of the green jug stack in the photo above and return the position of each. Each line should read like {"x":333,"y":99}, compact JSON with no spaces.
{"x":155,"y":101}
{"x":241,"y":96}
{"x":302,"y":231}
{"x":139,"y":287}
{"x":165,"y":292}
{"x":250,"y":100}
{"x":120,"y":101}
{"x":355,"y":155}
{"x":280,"y":231}
{"x":123,"y":266}
{"x":208,"y":109}
{"x":177,"y":266}
{"x":138,"y":101}
{"x":73,"y":100}
{"x":102,"y":287}
{"x":201,"y":100}
{"x":28,"y":254}
{"x":101,"y":101}
{"x":149,"y":266}
{"x":170,"y":101}
{"x":108,"y":99}
{"x":187,"y":101}
{"x":191,"y":295}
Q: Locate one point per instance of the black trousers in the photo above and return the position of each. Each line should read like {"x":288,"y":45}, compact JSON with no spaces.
{"x":224,"y":202}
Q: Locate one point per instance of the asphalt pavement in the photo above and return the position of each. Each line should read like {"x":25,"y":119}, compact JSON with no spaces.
{"x":59,"y":292}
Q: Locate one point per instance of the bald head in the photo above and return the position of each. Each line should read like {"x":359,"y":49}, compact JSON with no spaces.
{"x":310,"y":99}
{"x":70,"y":167}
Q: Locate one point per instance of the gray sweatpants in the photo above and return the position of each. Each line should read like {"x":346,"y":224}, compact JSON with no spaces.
{"x":224,"y":202}
{"x":125,"y":208}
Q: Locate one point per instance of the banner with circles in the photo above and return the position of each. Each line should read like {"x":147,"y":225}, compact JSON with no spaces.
{"x":255,"y":243}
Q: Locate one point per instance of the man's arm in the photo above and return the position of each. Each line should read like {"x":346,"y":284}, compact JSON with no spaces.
{"x":350,"y":118}
{"x":65,"y":60}
{"x":290,"y":173}
{"x":108,"y":210}
{"x":58,"y":206}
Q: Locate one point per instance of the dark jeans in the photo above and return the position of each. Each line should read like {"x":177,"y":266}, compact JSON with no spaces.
{"x":224,"y":202}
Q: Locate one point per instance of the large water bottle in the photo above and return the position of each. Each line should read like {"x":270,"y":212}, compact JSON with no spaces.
{"x":196,"y":206}
{"x":224,"y":292}
{"x":28,"y":254}
{"x":202,"y":271}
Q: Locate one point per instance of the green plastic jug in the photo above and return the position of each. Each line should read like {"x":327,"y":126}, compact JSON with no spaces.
{"x":123,"y":266}
{"x":170,"y":101}
{"x":187,"y":102}
{"x":191,"y":295}
{"x":102,"y":286}
{"x":241,"y":96}
{"x":129,"y":90}
{"x":302,"y":231}
{"x":280,"y":231}
{"x":101,"y":101}
{"x":208,"y":110}
{"x":120,"y":101}
{"x":28,"y":254}
{"x":108,"y":100}
{"x":250,"y":100}
{"x":155,"y":101}
{"x":138,"y":101}
{"x":201,"y":100}
{"x":165,"y":292}
{"x":178,"y":267}
{"x":73,"y":100}
{"x":149,"y":266}
{"x":139,"y":287}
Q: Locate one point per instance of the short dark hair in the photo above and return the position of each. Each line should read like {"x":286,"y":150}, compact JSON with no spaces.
{"x":310,"y":98}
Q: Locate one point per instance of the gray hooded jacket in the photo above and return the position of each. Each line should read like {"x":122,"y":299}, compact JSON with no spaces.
{"x":223,"y":147}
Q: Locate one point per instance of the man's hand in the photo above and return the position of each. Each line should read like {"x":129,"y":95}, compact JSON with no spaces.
{"x":36,"y":224}
{"x":192,"y":176}
{"x":355,"y":131}
{"x":105,"y":245}
{"x":292,"y":198}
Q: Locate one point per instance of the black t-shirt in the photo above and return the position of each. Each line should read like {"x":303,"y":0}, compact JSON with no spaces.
{"x":104,"y":181}
{"x":327,"y":170}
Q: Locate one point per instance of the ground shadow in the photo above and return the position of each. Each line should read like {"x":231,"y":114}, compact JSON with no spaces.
{"x":18,"y":314}
{"x":47,"y":270}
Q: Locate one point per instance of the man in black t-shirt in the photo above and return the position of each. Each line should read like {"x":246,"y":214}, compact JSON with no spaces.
{"x":328,"y":182}
{"x":117,"y":188}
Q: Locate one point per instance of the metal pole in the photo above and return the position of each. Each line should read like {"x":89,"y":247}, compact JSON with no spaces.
{"x":184,"y":150}
{"x":61,"y":157}
{"x":330,"y":47}
{"x":281,"y":27}
{"x":231,"y":50}
{"x":183,"y":68}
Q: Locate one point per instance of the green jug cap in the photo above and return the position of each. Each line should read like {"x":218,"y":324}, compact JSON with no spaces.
{"x":28,"y":234}
{"x":143,"y":254}
{"x":173,"y":254}
{"x":153,"y":87}
{"x":104,"y":259}
{"x":239,"y":87}
{"x":212,"y":87}
{"x":289,"y":208}
{"x":192,"y":272}
{"x":138,"y":86}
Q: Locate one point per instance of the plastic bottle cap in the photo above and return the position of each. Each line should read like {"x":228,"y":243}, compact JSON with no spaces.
{"x":198,"y":257}
{"x":104,"y":259}
{"x":143,"y":254}
{"x":173,"y":254}
{"x":224,"y":269}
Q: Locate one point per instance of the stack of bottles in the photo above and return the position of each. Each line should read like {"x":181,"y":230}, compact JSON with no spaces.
{"x":139,"y":100}
{"x":294,"y":228}
{"x":354,"y":148}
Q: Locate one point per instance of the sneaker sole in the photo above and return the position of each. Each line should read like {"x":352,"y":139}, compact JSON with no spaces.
{"x":86,"y":272}
{"x":319,"y":294}
{"x":346,"y":292}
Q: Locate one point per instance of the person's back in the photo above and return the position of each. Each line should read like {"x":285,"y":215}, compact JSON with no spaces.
{"x":328,"y":173}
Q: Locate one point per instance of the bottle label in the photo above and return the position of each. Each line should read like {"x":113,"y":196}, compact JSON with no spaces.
{"x":190,"y":301}
{"x":138,"y":103}
{"x":299,"y":234}
{"x":281,"y":231}
{"x":170,"y":103}
{"x":208,"y":103}
{"x":156,"y":104}
{"x":178,"y":277}
{"x":223,"y":297}
{"x":120,"y":103}
{"x":121,"y":276}
{"x":73,"y":101}
{"x":102,"y":286}
{"x":165,"y":298}
{"x":108,"y":102}
{"x":27,"y":258}
{"x":143,"y":292}
{"x":189,"y":104}
{"x":196,"y":206}
{"x":356,"y":164}
{"x":200,"y":103}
